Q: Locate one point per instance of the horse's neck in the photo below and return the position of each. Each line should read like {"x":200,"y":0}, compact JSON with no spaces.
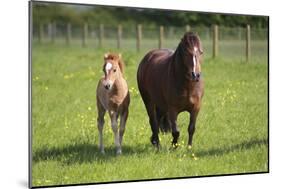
{"x":180,"y":73}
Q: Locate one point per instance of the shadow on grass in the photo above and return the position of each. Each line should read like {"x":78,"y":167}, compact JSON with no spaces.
{"x":242,"y":146}
{"x":82,"y":153}
{"x":89,"y":153}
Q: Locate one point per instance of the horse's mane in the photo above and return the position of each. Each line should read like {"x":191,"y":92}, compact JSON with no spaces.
{"x":117,"y":57}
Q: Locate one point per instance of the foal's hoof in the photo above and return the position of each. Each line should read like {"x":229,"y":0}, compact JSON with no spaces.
{"x":102,"y":152}
{"x":119,"y":152}
{"x":189,"y":147}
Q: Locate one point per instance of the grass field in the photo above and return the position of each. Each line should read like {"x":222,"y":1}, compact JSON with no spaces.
{"x":231,"y":135}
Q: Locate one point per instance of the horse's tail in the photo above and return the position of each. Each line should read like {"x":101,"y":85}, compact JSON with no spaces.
{"x":164,"y":125}
{"x":163,"y":121}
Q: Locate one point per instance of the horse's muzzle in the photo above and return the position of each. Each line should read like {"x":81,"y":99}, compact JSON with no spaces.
{"x":195,"y":77}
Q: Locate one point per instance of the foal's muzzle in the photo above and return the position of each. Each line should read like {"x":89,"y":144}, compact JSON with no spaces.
{"x":107,"y":84}
{"x":195,"y":76}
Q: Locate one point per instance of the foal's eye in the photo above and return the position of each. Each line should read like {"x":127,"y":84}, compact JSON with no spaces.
{"x":114,"y":70}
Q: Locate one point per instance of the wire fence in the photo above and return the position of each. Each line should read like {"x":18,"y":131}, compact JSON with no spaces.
{"x":231,"y":42}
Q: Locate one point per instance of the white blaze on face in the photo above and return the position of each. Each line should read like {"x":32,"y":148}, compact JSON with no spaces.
{"x":108,"y":66}
{"x":194,"y":59}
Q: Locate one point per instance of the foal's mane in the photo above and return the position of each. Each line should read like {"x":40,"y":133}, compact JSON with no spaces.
{"x":117,"y":57}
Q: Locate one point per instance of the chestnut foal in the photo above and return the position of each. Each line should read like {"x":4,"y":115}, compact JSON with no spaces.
{"x":113,"y":96}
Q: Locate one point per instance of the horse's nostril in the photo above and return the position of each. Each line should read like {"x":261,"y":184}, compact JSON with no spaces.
{"x":193,"y":75}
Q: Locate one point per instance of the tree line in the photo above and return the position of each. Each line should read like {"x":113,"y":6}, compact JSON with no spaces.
{"x":95,"y":15}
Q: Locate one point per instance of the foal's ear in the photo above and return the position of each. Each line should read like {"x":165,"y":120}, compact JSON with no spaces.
{"x":121,"y":64}
{"x":105,"y":55}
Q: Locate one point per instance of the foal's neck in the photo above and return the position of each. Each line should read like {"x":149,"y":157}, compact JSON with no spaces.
{"x":119,"y":87}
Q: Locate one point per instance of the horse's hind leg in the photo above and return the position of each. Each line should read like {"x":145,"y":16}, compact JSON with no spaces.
{"x":174,"y":126}
{"x":100,"y":119}
{"x":150,"y":109}
{"x":153,"y":123}
{"x":114,"y":126}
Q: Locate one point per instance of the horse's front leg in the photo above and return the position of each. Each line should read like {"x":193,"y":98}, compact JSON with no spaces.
{"x":175,"y":130}
{"x":114,"y":126}
{"x":191,"y":127}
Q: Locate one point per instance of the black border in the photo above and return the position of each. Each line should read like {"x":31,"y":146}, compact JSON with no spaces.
{"x":30,"y":36}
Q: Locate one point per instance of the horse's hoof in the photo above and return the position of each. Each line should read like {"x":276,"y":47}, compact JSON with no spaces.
{"x":156,"y":144}
{"x":175,"y":145}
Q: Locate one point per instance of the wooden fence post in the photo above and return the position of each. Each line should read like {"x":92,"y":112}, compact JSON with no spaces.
{"x":101,"y":36}
{"x":119,"y":36}
{"x":139,"y":36}
{"x":41,"y":33}
{"x":85,"y":35}
{"x":248,"y":43}
{"x":54,"y":32}
{"x":50,"y":31}
{"x":68,"y":33}
{"x":161,"y":37}
{"x":187,"y":28}
{"x":215,"y":41}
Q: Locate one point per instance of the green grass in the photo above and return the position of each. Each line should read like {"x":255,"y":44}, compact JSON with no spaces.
{"x":231,"y":132}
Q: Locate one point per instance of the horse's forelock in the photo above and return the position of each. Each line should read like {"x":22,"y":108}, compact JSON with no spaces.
{"x":192,"y":41}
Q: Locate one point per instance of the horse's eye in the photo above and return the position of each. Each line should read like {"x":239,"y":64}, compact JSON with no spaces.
{"x":114,"y":70}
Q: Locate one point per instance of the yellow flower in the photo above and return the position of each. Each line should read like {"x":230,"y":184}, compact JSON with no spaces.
{"x":89,"y":108}
{"x":46,"y":88}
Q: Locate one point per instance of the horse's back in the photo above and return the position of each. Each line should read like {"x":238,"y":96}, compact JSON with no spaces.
{"x":154,"y":61}
{"x":153,"y":73}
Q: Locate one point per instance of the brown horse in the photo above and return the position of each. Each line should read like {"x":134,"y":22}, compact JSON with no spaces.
{"x":113,"y":96}
{"x":170,"y":83}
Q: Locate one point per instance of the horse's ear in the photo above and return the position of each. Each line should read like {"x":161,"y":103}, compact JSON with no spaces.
{"x":121,"y":64}
{"x":200,"y":48}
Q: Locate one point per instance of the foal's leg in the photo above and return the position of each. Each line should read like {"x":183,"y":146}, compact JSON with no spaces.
{"x":114,"y":126}
{"x":123,"y":120}
{"x":101,"y":112}
{"x":174,"y":126}
{"x":191,"y":127}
